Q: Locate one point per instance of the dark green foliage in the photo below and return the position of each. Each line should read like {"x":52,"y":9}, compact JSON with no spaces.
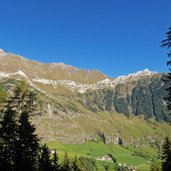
{"x":166,"y":154}
{"x":66,"y":163}
{"x":28,"y":144}
{"x":23,"y":99}
{"x":87,"y":164}
{"x":23,"y":102}
{"x":76,"y":165}
{"x":45,"y":162}
{"x":8,"y":139}
{"x":156,"y":166}
{"x":55,"y":161}
{"x":167,"y":43}
{"x":18,"y":143}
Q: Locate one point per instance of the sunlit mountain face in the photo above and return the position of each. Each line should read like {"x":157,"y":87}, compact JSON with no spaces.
{"x":75,"y":105}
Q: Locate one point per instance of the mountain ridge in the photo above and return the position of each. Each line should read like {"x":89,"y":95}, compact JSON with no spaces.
{"x":61,"y":70}
{"x":75,"y":105}
{"x":66,"y":66}
{"x":83,"y":87}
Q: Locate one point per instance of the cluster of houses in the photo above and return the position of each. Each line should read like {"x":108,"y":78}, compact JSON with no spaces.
{"x":104,"y":158}
{"x":122,"y":167}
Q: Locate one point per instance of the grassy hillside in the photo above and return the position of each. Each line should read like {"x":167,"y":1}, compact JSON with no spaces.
{"x":66,"y":119}
{"x":80,"y":128}
{"x":140,"y":157}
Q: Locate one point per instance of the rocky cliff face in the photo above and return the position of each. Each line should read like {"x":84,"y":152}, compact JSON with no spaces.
{"x":141,"y":96}
{"x":76,"y":105}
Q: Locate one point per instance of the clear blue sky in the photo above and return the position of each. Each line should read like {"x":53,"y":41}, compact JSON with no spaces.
{"x":116,"y":37}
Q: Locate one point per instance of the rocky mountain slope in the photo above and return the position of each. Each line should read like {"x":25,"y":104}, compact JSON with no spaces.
{"x":80,"y":105}
{"x":11,"y":63}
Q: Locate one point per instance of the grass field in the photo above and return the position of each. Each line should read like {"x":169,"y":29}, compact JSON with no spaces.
{"x":140,"y":157}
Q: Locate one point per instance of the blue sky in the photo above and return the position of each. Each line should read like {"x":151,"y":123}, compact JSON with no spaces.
{"x":116,"y":37}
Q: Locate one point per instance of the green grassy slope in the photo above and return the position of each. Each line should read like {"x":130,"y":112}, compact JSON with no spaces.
{"x":140,"y":157}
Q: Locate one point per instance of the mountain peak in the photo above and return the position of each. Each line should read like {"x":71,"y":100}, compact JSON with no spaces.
{"x":63,"y":65}
{"x":2,"y":52}
{"x":135,"y":76}
{"x":142,"y":73}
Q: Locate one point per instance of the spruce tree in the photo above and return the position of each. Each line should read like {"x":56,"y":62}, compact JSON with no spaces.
{"x":27,"y":146}
{"x":45,"y":163}
{"x":8,"y":139}
{"x":55,"y":162}
{"x":18,"y":142}
{"x":167,"y":43}
{"x":156,"y":166}
{"x":66,"y":163}
{"x":76,"y":165}
{"x":166,"y":155}
{"x":23,"y":101}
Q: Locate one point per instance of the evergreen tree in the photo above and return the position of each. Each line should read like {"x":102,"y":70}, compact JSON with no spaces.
{"x":166,"y":155}
{"x":45,"y":163}
{"x":76,"y":165}
{"x":27,"y":145}
{"x":156,"y":166}
{"x":167,"y":43}
{"x":8,"y":139}
{"x":87,"y":164}
{"x":55,"y":161}
{"x":22,"y":101}
{"x":18,"y":143}
{"x":66,"y":163}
